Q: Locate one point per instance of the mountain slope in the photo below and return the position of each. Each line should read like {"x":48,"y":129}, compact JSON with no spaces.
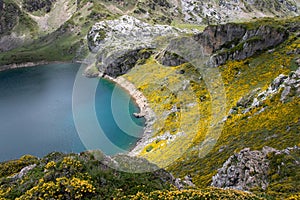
{"x":45,"y":18}
{"x":259,"y":75}
{"x":249,"y":98}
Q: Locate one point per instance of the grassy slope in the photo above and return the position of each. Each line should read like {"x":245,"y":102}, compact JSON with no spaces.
{"x":242,"y":130}
{"x":64,"y":43}
{"x":268,"y":128}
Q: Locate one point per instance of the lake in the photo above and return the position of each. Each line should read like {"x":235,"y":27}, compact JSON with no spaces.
{"x":37,"y":106}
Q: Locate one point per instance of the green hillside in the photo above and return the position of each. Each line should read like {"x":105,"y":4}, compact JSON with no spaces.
{"x":242,"y":143}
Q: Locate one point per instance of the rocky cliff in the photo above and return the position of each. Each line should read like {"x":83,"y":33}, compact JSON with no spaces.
{"x":224,"y":42}
{"x":249,"y":43}
{"x":232,"y":42}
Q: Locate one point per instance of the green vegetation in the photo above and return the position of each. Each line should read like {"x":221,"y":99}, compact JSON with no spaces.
{"x":68,"y":43}
{"x":277,"y":126}
{"x":14,"y":166}
{"x":71,"y":176}
{"x":210,"y":193}
{"x":284,"y":174}
{"x":182,"y":103}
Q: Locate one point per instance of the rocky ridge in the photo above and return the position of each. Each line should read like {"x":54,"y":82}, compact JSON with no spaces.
{"x":252,"y":41}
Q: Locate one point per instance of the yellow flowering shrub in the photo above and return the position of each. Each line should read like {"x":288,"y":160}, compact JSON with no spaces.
{"x":211,"y":193}
{"x":50,"y":165}
{"x":62,"y":188}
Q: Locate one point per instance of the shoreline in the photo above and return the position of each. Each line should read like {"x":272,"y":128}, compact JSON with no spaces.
{"x":139,"y":98}
{"x":145,"y":110}
{"x":30,"y":64}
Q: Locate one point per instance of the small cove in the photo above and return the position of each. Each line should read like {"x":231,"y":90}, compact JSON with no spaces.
{"x":36,"y":112}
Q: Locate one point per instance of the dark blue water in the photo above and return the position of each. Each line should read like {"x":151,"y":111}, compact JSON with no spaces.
{"x":36,"y":112}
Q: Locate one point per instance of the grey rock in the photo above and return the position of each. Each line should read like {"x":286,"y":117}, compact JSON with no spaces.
{"x":23,"y":171}
{"x":178,"y":183}
{"x":170,"y":59}
{"x":225,"y":42}
{"x":252,"y":41}
{"x":119,"y":43}
{"x":278,"y":81}
{"x":223,"y":11}
{"x":189,"y":181}
{"x":288,"y":84}
{"x":245,"y":170}
{"x":285,"y":93}
{"x":186,"y":183}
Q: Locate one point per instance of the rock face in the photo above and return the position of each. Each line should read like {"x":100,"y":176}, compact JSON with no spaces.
{"x":229,"y":42}
{"x":205,"y":12}
{"x":183,"y":184}
{"x":247,"y":169}
{"x":168,"y":58}
{"x":252,"y":41}
{"x":217,"y":37}
{"x":120,"y":43}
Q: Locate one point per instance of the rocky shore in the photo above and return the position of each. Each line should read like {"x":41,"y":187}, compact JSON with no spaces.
{"x":145,"y":110}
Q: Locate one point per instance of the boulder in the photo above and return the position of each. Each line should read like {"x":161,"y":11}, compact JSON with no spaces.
{"x":246,"y":169}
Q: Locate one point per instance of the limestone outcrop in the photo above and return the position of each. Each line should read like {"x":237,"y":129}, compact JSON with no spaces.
{"x":248,"y":169}
{"x":288,"y":86}
{"x":252,"y":41}
{"x":229,"y":42}
{"x":120,"y":43}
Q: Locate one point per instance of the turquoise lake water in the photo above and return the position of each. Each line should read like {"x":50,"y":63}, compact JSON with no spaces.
{"x":36,"y":113}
